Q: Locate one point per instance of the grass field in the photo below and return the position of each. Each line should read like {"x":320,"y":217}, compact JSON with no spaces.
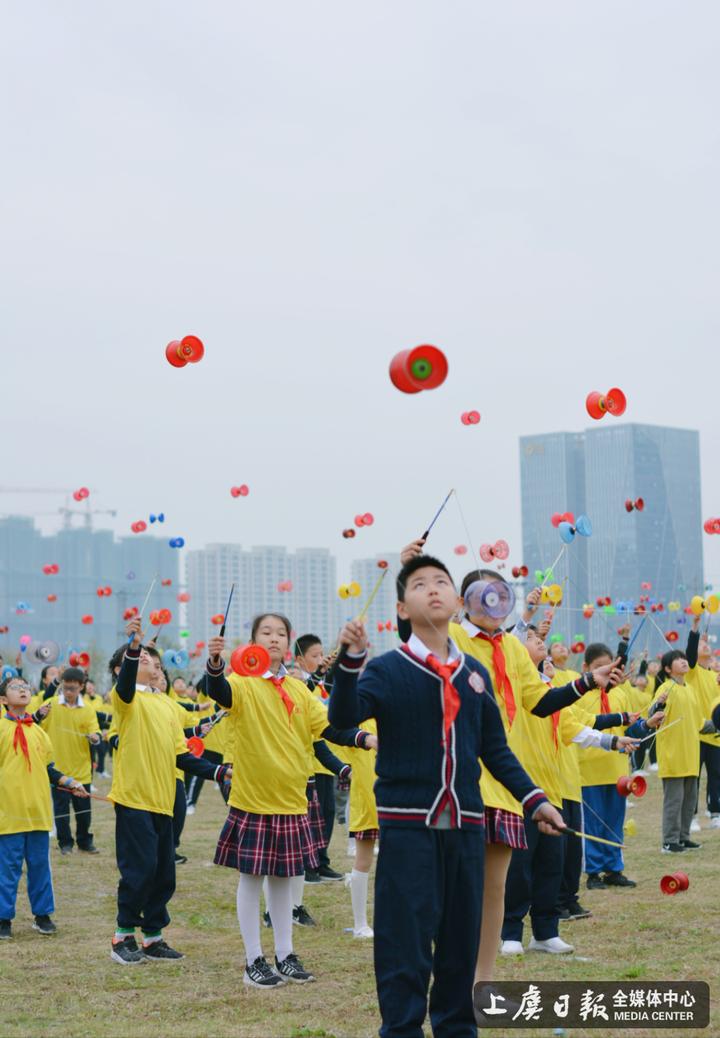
{"x":67,"y":985}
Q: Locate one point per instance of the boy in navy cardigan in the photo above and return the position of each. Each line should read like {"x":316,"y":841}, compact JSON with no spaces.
{"x":436,"y":715}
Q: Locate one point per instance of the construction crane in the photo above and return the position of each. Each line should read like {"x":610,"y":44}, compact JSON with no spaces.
{"x":87,"y":513}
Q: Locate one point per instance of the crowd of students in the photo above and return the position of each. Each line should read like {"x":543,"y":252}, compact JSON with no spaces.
{"x":473,"y":755}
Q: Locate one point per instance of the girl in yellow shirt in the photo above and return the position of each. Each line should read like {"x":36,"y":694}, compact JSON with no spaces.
{"x":272,"y":721}
{"x":364,"y":827}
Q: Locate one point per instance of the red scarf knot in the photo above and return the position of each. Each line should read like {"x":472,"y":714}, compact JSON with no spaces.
{"x":502,"y":680}
{"x":19,"y":738}
{"x":289,"y":705}
{"x":451,"y":696}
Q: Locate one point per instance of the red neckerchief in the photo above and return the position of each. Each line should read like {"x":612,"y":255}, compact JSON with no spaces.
{"x":501,"y":675}
{"x":451,"y":696}
{"x":20,"y":737}
{"x":289,"y":705}
{"x":604,"y":702}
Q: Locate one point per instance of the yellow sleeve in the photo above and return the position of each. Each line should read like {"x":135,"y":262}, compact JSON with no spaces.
{"x":572,"y":721}
{"x":532,"y":686}
{"x":89,"y":722}
{"x":318,"y":716}
{"x":236,"y":687}
{"x":180,"y":743}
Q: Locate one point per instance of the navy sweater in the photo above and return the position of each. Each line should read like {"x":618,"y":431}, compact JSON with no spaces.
{"x":416,"y":775}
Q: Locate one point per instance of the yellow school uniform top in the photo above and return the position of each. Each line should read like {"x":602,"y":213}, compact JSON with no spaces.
{"x":96,"y":702}
{"x":316,"y":768}
{"x":678,"y":752}
{"x":182,"y":716}
{"x":570,"y":785}
{"x":25,"y":804}
{"x":67,"y":728}
{"x":217,"y":736}
{"x":528,"y":688}
{"x":269,"y":749}
{"x":705,"y":681}
{"x":150,"y":738}
{"x":546,"y":749}
{"x":35,"y":703}
{"x":363,"y":808}
{"x":598,"y":767}
{"x":638,"y":699}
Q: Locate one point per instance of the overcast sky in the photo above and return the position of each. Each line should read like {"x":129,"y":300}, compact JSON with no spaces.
{"x":311,"y":187}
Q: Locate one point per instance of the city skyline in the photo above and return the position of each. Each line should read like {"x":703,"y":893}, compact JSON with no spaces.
{"x":655,"y":551}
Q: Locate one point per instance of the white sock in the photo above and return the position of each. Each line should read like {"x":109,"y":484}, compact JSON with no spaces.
{"x":297,"y":887}
{"x":248,"y":913}
{"x":280,"y":908}
{"x":358,"y":894}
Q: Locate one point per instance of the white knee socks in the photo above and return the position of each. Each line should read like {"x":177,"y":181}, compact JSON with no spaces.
{"x":297,"y":886}
{"x":279,"y":895}
{"x":248,"y":913}
{"x":359,"y":894}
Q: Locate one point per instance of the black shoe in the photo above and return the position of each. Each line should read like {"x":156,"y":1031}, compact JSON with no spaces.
{"x":180,"y":859}
{"x":673,"y":848}
{"x":159,"y":950}
{"x":690,"y":845}
{"x":126,"y":952}
{"x":595,"y":882}
{"x":44,"y":925}
{"x":563,"y":914}
{"x":267,"y":921}
{"x":261,"y":975}
{"x":92,"y":849}
{"x":311,"y":876}
{"x":5,"y":929}
{"x":618,"y":879}
{"x":301,"y":916}
{"x":67,"y":849}
{"x":292,"y":969}
{"x":578,"y":912}
{"x":328,"y":875}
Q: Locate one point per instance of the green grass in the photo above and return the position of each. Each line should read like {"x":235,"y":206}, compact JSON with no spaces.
{"x":67,"y":986}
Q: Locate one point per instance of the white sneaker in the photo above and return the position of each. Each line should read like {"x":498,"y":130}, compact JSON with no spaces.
{"x":364,"y":932}
{"x":190,"y":809}
{"x":695,"y":826}
{"x":629,"y":804}
{"x":512,"y":948}
{"x":653,"y":767}
{"x":105,"y":774}
{"x":642,"y":772}
{"x":554,"y":945}
{"x":715,"y":821}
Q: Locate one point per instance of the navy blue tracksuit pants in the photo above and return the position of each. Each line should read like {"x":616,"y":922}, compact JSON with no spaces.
{"x":145,"y":850}
{"x":325,"y":787}
{"x":572,"y":855}
{"x":428,"y":909}
{"x":533,"y":885}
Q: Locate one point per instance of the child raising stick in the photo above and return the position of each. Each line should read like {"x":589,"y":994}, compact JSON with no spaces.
{"x":436,"y":716}
{"x":26,"y":775}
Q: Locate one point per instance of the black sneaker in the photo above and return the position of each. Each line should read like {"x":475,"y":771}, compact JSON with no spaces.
{"x":578,"y":912}
{"x":66,"y":849}
{"x":673,"y":848}
{"x":44,"y":925}
{"x":301,"y":916}
{"x":328,"y":875}
{"x":180,"y":859}
{"x":159,"y":950}
{"x":690,"y":845}
{"x":126,"y":952}
{"x":5,"y":929}
{"x":292,"y":969}
{"x":267,"y":921}
{"x":92,"y":849}
{"x":563,"y":914}
{"x":595,"y":882}
{"x":618,"y":879}
{"x":261,"y":975}
{"x":311,"y":876}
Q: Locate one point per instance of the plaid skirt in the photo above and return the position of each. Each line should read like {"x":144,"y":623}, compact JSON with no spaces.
{"x":505,"y":827}
{"x":316,"y":823}
{"x":266,"y":845}
{"x":366,"y":834}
